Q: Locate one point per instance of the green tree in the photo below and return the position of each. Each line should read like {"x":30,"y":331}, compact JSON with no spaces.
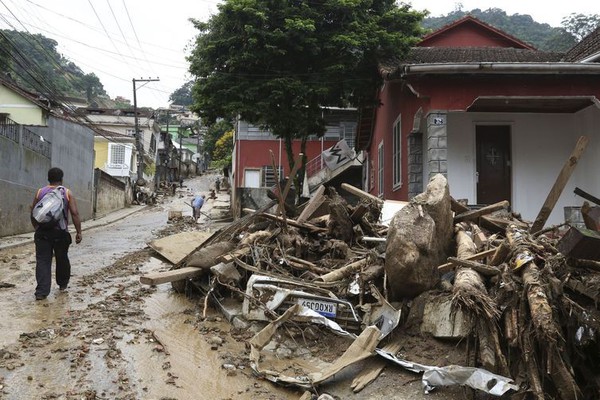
{"x":214,"y":133}
{"x":276,"y":63}
{"x":183,"y":95}
{"x":223,"y":149}
{"x":580,"y":25}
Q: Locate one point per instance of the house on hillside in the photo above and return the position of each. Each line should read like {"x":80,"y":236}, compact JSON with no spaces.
{"x":122,"y":123}
{"x":255,"y":150}
{"x":494,"y":115}
{"x":35,"y":136}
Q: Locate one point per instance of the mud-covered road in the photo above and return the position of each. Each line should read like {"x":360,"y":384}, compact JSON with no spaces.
{"x":110,"y":337}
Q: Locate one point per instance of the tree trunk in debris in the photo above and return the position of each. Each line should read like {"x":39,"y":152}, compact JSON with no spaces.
{"x":419,"y":239}
{"x":340,"y":224}
{"x":541,"y":315}
{"x":470,"y":295}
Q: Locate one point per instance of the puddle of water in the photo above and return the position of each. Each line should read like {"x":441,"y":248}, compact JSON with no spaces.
{"x":190,"y":356}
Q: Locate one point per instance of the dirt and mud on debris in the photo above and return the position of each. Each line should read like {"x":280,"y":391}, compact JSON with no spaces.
{"x":440,"y":295}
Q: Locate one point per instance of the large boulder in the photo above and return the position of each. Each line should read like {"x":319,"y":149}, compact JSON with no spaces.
{"x":419,"y":239}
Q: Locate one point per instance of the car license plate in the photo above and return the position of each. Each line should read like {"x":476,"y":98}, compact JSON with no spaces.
{"x":324,"y":308}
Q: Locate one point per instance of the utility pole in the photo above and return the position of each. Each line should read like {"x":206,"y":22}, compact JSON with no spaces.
{"x":139,"y":145}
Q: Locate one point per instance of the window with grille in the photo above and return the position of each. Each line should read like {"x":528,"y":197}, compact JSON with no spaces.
{"x":397,"y":154}
{"x":268,"y":175}
{"x":117,"y":154}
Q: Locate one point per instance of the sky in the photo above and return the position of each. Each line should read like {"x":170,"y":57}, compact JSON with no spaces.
{"x":122,"y":40}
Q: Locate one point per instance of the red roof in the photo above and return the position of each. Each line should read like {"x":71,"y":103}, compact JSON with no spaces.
{"x":471,"y":32}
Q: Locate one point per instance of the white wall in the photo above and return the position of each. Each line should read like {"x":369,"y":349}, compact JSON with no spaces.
{"x":541,"y":144}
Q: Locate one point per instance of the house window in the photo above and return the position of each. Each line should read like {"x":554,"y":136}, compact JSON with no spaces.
{"x":397,"y":154}
{"x":117,"y":154}
{"x":268,"y":175}
{"x":380,"y":169}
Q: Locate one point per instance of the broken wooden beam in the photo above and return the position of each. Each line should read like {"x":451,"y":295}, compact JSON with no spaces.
{"x":302,"y":225}
{"x":478,"y":256}
{"x":483,"y":269}
{"x":361,"y":193}
{"x":170,"y":276}
{"x":591,"y":216}
{"x":559,"y":184}
{"x":317,"y":199}
{"x":344,"y":272}
{"x":474,"y":214}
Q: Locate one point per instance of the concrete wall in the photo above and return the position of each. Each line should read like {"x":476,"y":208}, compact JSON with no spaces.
{"x":111,"y":193}
{"x":23,"y":171}
{"x":253,"y":198}
{"x":73,"y":152}
{"x":20,"y":169}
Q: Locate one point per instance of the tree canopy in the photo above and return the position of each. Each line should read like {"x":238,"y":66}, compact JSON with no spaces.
{"x":275,"y":63}
{"x":183,"y":95}
{"x":580,"y":25}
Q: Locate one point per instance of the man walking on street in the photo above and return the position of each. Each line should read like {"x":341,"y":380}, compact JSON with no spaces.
{"x":54,"y":240}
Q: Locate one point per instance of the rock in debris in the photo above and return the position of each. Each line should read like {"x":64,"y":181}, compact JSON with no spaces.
{"x":419,"y":240}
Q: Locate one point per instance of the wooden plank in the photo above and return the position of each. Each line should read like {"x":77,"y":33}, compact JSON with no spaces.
{"x":361,"y":193}
{"x":449,"y":266}
{"x":591,"y":216}
{"x":559,"y":185}
{"x":170,"y":276}
{"x":176,"y":247}
{"x":230,"y":257}
{"x":292,"y":222}
{"x":474,"y":214}
{"x":313,"y":204}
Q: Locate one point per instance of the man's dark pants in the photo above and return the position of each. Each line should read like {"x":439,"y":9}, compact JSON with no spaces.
{"x":47,"y":243}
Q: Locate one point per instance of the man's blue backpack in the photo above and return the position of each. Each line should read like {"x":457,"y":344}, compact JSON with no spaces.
{"x":50,"y":211}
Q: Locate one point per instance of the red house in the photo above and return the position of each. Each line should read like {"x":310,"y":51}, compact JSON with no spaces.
{"x":494,"y":115}
{"x":255,"y":150}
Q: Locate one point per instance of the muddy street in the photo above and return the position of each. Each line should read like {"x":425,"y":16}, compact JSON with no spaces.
{"x":108,"y":336}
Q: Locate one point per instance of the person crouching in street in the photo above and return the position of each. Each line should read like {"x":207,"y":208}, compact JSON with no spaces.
{"x":54,"y":240}
{"x":197,"y":206}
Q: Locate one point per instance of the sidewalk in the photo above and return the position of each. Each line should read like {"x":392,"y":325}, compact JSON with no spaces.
{"x":7,"y":242}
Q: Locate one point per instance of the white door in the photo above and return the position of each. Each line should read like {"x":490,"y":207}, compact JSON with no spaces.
{"x":252,"y":178}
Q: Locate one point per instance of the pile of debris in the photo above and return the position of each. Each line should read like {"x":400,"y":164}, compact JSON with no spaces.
{"x":526,"y":303}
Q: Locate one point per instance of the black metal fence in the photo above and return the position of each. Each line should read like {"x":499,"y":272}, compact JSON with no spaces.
{"x":31,"y":140}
